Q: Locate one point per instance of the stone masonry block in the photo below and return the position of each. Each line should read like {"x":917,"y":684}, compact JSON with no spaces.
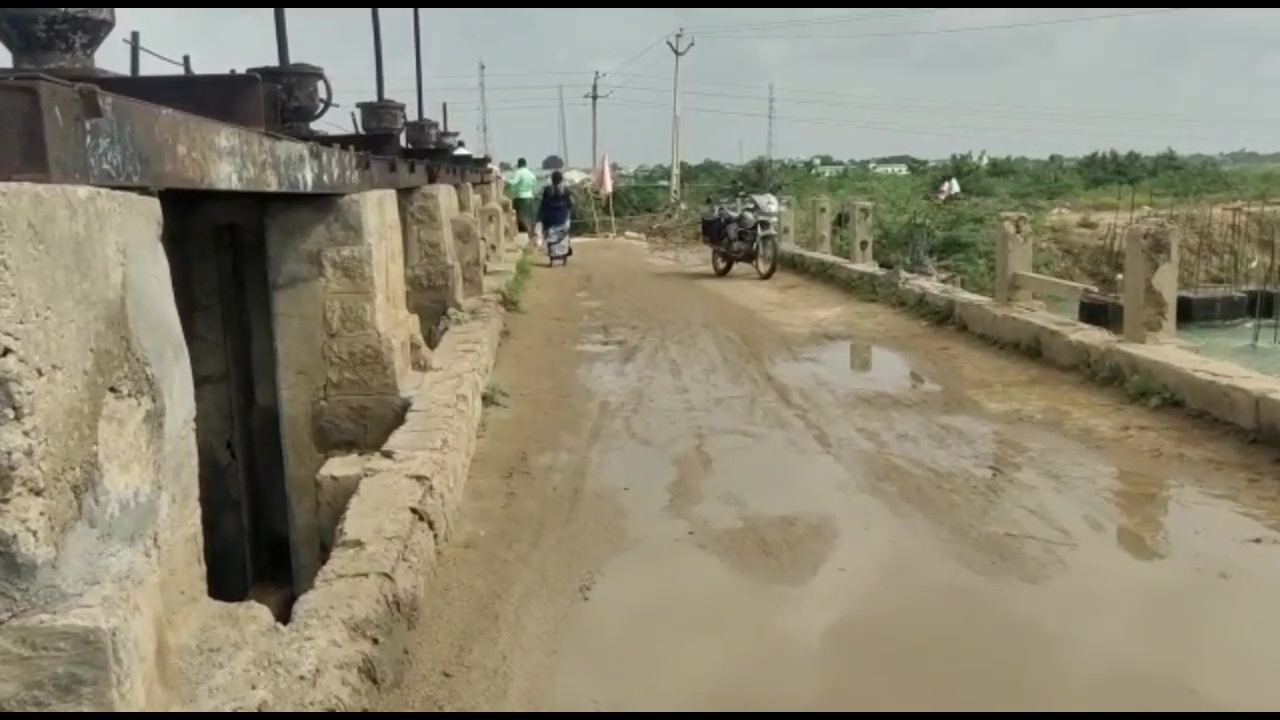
{"x":360,"y":365}
{"x":356,"y":424}
{"x":466,"y":198}
{"x":347,"y":269}
{"x":350,"y":314}
{"x":471,"y":254}
{"x":73,"y":661}
{"x":491,"y":228}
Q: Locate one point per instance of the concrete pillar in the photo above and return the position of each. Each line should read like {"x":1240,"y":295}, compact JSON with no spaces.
{"x":100,"y":539}
{"x":433,"y":275}
{"x":1013,"y":255}
{"x":862,"y":232}
{"x":787,"y":226}
{"x":486,"y":193}
{"x":467,"y":198}
{"x":1150,"y":281}
{"x":344,"y":340}
{"x":492,"y":229}
{"x":820,"y":240}
{"x":472,"y":254}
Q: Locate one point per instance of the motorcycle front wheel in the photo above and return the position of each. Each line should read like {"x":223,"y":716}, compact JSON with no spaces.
{"x":767,"y":257}
{"x":720,"y":263}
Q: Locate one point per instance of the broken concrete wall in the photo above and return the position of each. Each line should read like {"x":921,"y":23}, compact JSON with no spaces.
{"x":346,"y":345}
{"x":433,"y":274}
{"x":100,"y":543}
{"x":468,"y":238}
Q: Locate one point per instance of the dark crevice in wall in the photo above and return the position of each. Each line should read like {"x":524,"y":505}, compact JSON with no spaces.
{"x":217,"y":257}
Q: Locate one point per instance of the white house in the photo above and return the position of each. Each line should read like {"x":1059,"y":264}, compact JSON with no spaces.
{"x":890,"y":169}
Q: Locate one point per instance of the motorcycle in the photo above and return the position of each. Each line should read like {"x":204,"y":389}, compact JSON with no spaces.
{"x":745,"y":233}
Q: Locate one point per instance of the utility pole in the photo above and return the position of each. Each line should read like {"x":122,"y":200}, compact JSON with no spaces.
{"x":594,"y":96}
{"x":484,"y":113}
{"x":678,"y":52}
{"x":564,"y":131}
{"x":770,"y":149}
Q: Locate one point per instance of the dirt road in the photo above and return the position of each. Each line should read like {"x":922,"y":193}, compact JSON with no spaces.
{"x":725,"y":494}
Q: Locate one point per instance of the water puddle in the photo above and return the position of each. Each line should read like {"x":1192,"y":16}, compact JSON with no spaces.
{"x":855,"y":366}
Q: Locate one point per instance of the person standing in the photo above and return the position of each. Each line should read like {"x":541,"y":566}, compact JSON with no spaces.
{"x":521,"y":186}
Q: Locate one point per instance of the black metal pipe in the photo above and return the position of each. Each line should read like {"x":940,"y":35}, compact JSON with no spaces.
{"x":444,"y":116}
{"x":417,"y":57}
{"x":378,"y":77}
{"x":282,"y":37}
{"x":135,"y":53}
{"x":186,"y":65}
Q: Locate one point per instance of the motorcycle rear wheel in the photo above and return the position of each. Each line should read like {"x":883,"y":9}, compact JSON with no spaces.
{"x":720,"y":263}
{"x":767,"y":257}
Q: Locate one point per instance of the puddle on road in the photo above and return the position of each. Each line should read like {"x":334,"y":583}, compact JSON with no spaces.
{"x":765,"y":576}
{"x":855,"y":366}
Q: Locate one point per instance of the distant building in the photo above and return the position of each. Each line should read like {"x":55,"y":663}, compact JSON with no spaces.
{"x":889,"y":169}
{"x":830,"y":170}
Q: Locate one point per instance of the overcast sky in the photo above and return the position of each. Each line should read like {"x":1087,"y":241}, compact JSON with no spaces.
{"x":849,"y":82}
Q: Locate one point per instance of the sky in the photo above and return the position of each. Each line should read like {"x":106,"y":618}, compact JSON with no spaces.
{"x":851,"y":83}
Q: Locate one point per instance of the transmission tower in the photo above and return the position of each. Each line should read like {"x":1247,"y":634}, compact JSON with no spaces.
{"x":564,"y":131}
{"x":773,"y":118}
{"x":484,"y":113}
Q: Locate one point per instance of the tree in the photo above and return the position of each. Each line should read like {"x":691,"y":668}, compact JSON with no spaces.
{"x":552,"y":162}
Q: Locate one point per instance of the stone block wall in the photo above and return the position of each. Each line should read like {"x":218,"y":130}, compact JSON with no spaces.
{"x":346,"y":345}
{"x":100,"y":544}
{"x":433,"y":275}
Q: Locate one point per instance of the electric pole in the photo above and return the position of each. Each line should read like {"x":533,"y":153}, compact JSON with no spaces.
{"x":484,"y":113}
{"x":564,"y":130}
{"x":678,"y":52}
{"x":594,"y":96}
{"x":770,"y":149}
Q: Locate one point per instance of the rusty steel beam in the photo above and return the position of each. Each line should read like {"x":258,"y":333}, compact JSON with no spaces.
{"x":79,"y":134}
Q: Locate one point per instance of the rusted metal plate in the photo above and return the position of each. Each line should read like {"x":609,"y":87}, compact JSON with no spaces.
{"x":79,"y":135}
{"x":235,"y":99}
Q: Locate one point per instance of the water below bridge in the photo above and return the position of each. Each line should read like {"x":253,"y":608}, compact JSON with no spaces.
{"x":713,"y":494}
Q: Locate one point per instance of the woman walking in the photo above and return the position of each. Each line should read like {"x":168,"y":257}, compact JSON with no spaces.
{"x":554,"y":212}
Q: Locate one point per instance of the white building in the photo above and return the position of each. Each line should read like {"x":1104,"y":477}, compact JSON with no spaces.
{"x":890,"y":169}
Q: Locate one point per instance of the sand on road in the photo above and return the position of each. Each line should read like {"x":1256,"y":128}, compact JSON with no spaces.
{"x":712,"y":494}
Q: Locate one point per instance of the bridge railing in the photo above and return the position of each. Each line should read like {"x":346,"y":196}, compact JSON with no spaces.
{"x":1147,"y":293}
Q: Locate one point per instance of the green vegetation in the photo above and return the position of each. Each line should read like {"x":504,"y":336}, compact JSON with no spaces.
{"x":513,"y":293}
{"x":494,"y":395}
{"x":958,"y":236}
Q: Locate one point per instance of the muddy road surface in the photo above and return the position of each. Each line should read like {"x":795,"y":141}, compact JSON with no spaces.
{"x":714,"y":494}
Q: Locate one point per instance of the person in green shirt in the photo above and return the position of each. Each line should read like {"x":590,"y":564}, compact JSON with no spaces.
{"x":521,"y":186}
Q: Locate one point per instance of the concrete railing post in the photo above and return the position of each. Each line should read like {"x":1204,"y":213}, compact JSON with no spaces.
{"x":821,"y":240}
{"x":787,"y":226}
{"x":862,"y":233}
{"x":1150,"y":281}
{"x":1013,"y":255}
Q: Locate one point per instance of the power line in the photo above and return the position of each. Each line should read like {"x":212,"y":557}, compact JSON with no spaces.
{"x":824,"y":20}
{"x":948,"y":31}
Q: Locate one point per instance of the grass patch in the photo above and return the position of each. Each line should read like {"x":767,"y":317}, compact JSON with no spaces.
{"x":513,"y":293}
{"x":494,"y":396}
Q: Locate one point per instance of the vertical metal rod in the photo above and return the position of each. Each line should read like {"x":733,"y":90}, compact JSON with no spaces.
{"x":417,"y":57}
{"x":186,"y":65}
{"x":444,"y":116}
{"x":282,"y":37}
{"x":135,"y":53}
{"x":378,"y":77}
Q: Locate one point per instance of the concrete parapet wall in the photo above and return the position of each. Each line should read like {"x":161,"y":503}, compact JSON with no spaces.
{"x":346,"y":638}
{"x":100,"y":545}
{"x":1218,"y":389}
